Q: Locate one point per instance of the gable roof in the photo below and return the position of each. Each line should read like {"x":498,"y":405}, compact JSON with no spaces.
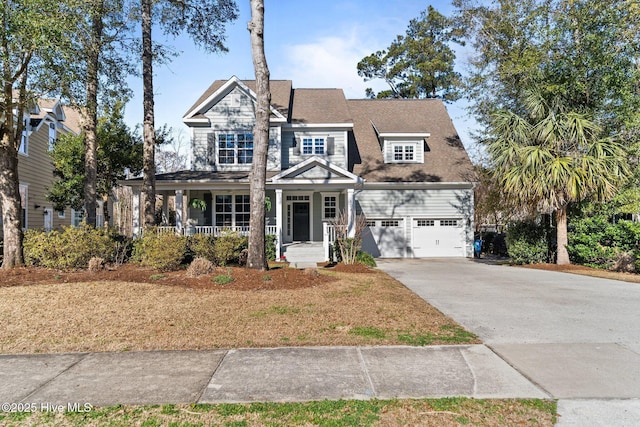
{"x":445,"y":159}
{"x":280,"y":95}
{"x":320,"y":168}
{"x":314,"y":106}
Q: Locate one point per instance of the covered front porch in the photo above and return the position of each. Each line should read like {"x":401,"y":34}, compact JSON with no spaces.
{"x":295,"y":216}
{"x":302,"y":204}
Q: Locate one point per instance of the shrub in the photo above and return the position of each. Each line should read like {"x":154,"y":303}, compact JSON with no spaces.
{"x":270,"y":247}
{"x":365,"y":258}
{"x":162,"y":251}
{"x":202,"y":246}
{"x":70,"y":248}
{"x":200,"y":267}
{"x":243,"y":258}
{"x":228,"y":247}
{"x":96,"y":264}
{"x":597,"y":242}
{"x":527,"y":243}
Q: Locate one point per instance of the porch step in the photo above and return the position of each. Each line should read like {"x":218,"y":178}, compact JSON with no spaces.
{"x":304,"y":254}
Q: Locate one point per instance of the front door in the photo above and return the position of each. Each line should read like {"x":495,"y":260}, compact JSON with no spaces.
{"x":301,"y":222}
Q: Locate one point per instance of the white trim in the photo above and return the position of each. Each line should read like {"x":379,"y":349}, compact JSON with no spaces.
{"x":285,"y":203}
{"x":404,"y":135}
{"x":418,"y":185}
{"x":206,"y":121}
{"x":282,"y":176}
{"x":218,"y":94}
{"x":324,"y":194}
{"x":317,"y":125}
{"x":47,"y":214}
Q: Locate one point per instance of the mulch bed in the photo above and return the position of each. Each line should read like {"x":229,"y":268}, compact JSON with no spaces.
{"x":278,"y":277}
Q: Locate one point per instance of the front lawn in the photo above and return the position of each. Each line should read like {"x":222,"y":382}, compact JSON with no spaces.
{"x":129,"y":309}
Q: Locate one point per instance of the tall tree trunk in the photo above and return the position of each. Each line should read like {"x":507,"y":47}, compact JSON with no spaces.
{"x":256,"y":258}
{"x":11,"y":204}
{"x":148,"y":130}
{"x":561,"y":234}
{"x":90,"y":114}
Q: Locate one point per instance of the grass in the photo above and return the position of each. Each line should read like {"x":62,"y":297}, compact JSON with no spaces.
{"x":222,"y":279}
{"x":353,"y":309}
{"x":424,"y":412}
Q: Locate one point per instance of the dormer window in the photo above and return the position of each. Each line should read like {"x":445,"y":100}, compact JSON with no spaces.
{"x":403,"y":147}
{"x":313,"y":146}
{"x":403,"y":153}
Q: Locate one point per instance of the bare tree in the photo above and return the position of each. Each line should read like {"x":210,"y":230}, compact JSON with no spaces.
{"x":256,"y":257}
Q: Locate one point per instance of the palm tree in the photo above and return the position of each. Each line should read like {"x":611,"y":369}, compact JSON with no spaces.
{"x":554,"y":157}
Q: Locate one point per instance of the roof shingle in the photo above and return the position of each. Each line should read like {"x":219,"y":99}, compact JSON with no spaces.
{"x":445,"y":159}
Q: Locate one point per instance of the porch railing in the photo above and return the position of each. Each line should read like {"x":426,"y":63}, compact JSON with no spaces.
{"x":212,"y":230}
{"x":328,"y":239}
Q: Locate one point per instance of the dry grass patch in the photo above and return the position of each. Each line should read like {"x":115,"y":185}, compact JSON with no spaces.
{"x":333,"y":308}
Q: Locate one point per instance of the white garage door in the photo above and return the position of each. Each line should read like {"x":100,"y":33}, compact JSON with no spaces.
{"x":437,"y":238}
{"x":385,"y":238}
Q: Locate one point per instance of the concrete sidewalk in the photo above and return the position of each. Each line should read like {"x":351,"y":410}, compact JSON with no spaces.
{"x":249,"y":375}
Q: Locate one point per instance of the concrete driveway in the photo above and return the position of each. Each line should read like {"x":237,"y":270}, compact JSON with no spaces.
{"x":576,"y":337}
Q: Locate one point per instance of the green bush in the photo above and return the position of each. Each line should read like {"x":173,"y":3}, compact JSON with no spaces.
{"x":164,"y":251}
{"x":527,"y":243}
{"x":365,"y":258}
{"x":228,"y":248}
{"x":72,"y":248}
{"x":596,"y":242}
{"x":202,"y":246}
{"x":270,"y":247}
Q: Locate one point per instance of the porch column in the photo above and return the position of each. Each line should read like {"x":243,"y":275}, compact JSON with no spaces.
{"x":179,"y":200}
{"x":165,"y":208}
{"x":351,"y":212}
{"x":278,"y":223}
{"x":135,"y":212}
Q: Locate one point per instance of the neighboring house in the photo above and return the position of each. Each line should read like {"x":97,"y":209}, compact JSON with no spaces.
{"x":398,"y":162}
{"x":43,"y":125}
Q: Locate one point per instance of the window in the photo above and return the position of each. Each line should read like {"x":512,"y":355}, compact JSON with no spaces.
{"x":77,"y":216}
{"x":52,"y":135}
{"x":62,"y":215}
{"x":406,"y":151}
{"x":313,"y":146}
{"x":224,"y":209}
{"x":403,"y":153}
{"x":232,"y":211}
{"x":448,"y":222}
{"x":243,"y":209}
{"x":370,"y":223}
{"x":425,"y":223}
{"x":235,"y":148}
{"x":329,"y":206}
{"x":389,"y":223}
{"x":301,"y":198}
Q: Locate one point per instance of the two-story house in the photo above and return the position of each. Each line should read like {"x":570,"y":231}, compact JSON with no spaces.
{"x":45,"y":121}
{"x":398,"y":162}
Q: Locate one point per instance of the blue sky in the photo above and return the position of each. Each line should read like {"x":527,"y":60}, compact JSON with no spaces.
{"x":312,"y":43}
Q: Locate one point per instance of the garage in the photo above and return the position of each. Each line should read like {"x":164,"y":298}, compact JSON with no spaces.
{"x":437,"y":237}
{"x":385,"y":238}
